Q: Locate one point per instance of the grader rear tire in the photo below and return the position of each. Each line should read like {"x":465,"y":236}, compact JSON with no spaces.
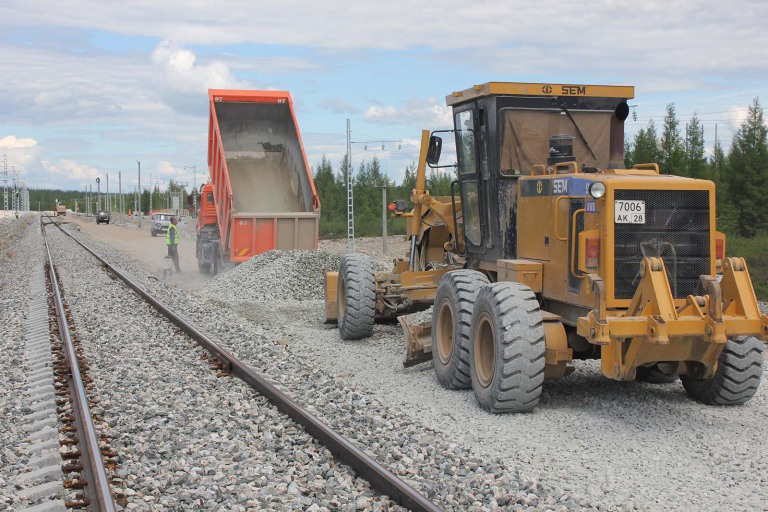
{"x":507,"y":349}
{"x":356,"y":297}
{"x":739,"y":370}
{"x":451,"y":324}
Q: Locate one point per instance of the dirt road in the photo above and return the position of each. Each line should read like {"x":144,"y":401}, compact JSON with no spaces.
{"x":140,"y":244}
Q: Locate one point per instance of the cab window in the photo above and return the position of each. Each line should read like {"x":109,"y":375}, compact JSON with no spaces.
{"x":465,"y":142}
{"x":471,"y":213}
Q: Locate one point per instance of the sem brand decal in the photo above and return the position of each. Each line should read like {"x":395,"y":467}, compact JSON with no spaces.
{"x":575,"y":187}
{"x":573,"y":90}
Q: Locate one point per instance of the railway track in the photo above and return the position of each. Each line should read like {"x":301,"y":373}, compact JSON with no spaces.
{"x":83,"y":447}
{"x":380,"y":479}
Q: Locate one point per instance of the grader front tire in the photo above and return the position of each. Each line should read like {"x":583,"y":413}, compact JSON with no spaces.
{"x":451,"y":324}
{"x":356,"y":297}
{"x":737,"y":378}
{"x":507,"y":351}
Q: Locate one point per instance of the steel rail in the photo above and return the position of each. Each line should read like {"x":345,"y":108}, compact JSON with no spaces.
{"x":380,"y":478}
{"x":97,"y":483}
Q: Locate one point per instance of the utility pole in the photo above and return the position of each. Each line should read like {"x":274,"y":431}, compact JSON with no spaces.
{"x":384,"y":219}
{"x":109,"y":201}
{"x":120,"y":193}
{"x":194,"y":192}
{"x":139,"y":194}
{"x":350,"y":199}
{"x":151,"y":193}
{"x":5,"y":182}
{"x":98,"y":194}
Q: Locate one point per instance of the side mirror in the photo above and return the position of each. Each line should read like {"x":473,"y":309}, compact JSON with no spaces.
{"x":433,"y":152}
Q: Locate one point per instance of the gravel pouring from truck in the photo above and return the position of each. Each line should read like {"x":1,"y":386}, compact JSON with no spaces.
{"x":261,"y":195}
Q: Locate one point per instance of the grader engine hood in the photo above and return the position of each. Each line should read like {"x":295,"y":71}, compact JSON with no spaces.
{"x":657,"y":285}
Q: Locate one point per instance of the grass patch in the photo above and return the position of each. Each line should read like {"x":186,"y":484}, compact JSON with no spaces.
{"x":755,"y":251}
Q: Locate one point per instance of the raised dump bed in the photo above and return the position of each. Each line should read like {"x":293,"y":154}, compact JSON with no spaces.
{"x":262,"y":187}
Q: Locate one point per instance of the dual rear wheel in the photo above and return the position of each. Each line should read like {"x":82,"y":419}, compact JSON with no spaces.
{"x":489,"y":337}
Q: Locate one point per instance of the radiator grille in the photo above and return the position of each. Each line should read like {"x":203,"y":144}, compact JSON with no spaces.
{"x":676,"y":229}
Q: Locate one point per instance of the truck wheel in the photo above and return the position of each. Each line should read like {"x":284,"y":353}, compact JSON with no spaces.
{"x":507,"y":349}
{"x":356,"y":297}
{"x":738,"y":374}
{"x":216,"y":265}
{"x":451,"y":317}
{"x":204,"y":268}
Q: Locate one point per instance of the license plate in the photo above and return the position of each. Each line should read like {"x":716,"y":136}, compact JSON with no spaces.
{"x":629,"y":212}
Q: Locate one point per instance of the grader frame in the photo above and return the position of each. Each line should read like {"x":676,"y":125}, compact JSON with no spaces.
{"x":652,"y":328}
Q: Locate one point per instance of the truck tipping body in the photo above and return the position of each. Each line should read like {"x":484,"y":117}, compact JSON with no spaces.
{"x":261,"y":183}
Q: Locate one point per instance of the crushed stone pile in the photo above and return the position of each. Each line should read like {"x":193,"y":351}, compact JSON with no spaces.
{"x":275,"y":275}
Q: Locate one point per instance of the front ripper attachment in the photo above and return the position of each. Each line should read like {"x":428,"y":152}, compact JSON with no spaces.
{"x":656,"y":327}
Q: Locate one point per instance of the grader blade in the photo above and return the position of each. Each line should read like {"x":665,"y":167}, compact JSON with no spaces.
{"x":418,"y":335}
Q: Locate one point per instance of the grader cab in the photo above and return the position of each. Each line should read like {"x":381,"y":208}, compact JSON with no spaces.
{"x":549,"y":250}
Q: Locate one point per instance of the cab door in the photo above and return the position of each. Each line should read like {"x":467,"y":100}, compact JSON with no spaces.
{"x":474,"y":178}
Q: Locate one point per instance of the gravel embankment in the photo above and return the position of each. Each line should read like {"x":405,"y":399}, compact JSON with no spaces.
{"x":454,"y":476}
{"x":299,"y":274}
{"x":591,"y":444}
{"x":185,"y":438}
{"x":623,"y":445}
{"x":19,"y":257}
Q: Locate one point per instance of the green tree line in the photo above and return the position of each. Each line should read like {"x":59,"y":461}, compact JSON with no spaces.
{"x":741,"y":176}
{"x":46,"y":199}
{"x":368,"y":180}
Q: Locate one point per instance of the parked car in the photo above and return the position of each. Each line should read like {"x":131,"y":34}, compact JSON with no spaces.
{"x":102,"y":216}
{"x":159,"y":223}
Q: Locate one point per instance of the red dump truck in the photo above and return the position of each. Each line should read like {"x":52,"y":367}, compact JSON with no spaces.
{"x":261,"y":195}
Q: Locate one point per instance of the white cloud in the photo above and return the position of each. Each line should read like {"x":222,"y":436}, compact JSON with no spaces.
{"x":178,"y":70}
{"x":735,"y":116}
{"x":338,"y":106}
{"x":385,"y":114}
{"x":13,"y":142}
{"x":72,"y":171}
{"x":428,"y":114}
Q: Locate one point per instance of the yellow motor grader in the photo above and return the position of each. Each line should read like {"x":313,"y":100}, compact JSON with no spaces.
{"x":549,"y":250}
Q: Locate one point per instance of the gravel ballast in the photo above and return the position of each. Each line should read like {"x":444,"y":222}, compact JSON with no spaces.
{"x":591,"y":444}
{"x":450,"y":474}
{"x":625,"y":445}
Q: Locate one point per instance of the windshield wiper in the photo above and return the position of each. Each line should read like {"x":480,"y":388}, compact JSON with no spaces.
{"x":578,"y":130}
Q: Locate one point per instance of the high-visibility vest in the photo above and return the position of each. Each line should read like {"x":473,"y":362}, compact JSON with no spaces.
{"x":175,"y":235}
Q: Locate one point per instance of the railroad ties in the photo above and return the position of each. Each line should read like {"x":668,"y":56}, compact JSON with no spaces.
{"x":225,"y":363}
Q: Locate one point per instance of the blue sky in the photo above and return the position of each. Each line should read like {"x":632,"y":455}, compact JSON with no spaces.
{"x":88,"y":88}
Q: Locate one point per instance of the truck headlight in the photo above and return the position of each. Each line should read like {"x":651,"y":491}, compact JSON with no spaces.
{"x":597,"y":189}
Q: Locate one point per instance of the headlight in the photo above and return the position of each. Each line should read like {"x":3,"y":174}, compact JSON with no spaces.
{"x":597,"y":189}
